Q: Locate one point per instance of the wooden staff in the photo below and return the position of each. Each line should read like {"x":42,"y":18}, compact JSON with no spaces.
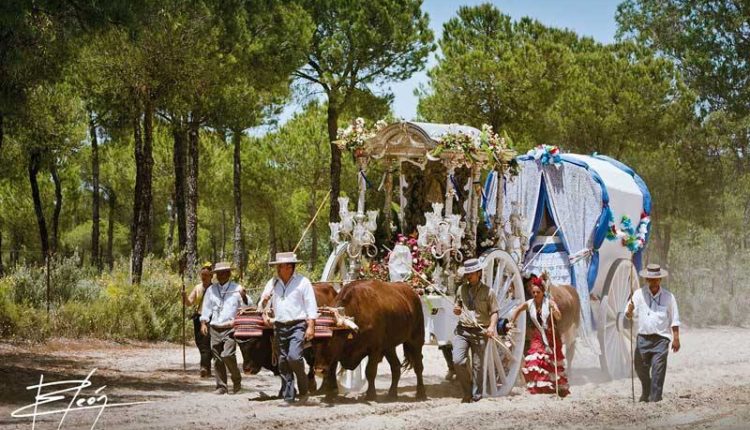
{"x":554,"y":348}
{"x":322,"y":203}
{"x":182,"y":280}
{"x":632,"y":354}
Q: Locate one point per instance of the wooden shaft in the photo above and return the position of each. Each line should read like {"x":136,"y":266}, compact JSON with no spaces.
{"x":554,"y":351}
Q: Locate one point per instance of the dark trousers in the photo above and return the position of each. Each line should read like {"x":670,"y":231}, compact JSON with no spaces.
{"x":651,"y":365}
{"x":290,"y":342}
{"x":203,"y":343}
{"x":223,"y":347}
{"x":447,"y":351}
{"x":469,"y":341}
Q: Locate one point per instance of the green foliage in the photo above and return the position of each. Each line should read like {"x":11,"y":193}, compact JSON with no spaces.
{"x":107,"y":307}
{"x":710,"y":40}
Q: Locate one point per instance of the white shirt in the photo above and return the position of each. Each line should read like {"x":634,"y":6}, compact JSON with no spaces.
{"x":656,"y":314}
{"x":291,"y":302}
{"x":220,"y":303}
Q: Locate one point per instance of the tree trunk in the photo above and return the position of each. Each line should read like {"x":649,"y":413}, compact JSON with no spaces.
{"x":223,"y":234}
{"x":2,"y":271}
{"x":142,"y":210}
{"x":313,"y":230}
{"x":35,"y":162}
{"x":273,"y":248}
{"x":179,"y":159}
{"x":172,"y":220}
{"x":2,"y":131}
{"x":238,"y":242}
{"x":111,"y":228}
{"x":191,"y":210}
{"x":58,"y":207}
{"x":95,"y":257}
{"x":333,"y":121}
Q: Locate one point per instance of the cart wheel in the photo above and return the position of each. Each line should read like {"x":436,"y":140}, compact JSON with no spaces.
{"x":613,"y":329}
{"x":502,"y":362}
{"x":337,"y":267}
{"x":337,"y":271}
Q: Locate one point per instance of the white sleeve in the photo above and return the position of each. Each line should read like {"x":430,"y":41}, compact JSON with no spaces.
{"x":206,"y":310}
{"x":311,"y":305}
{"x":639,"y":300}
{"x":674,"y":313}
{"x":266,"y":291}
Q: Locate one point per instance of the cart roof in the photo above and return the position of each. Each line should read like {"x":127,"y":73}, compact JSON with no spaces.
{"x":409,"y":139}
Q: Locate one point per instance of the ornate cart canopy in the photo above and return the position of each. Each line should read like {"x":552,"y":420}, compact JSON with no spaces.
{"x":414,"y":140}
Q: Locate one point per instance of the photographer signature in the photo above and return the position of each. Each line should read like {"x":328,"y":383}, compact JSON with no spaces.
{"x":68,"y":389}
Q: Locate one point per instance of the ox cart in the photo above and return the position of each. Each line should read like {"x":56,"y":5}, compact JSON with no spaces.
{"x":543,"y":211}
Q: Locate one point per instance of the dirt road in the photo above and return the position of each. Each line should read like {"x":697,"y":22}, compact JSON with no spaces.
{"x":708,"y":386}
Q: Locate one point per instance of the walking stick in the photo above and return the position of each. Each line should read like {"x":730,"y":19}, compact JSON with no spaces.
{"x":554,"y":352}
{"x":632,"y":354}
{"x":182,"y":280}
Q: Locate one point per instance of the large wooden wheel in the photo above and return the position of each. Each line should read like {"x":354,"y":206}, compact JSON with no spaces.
{"x":336,"y":271}
{"x":613,"y":328}
{"x":502,"y":361}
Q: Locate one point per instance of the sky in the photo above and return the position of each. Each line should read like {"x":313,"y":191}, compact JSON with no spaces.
{"x":595,"y":18}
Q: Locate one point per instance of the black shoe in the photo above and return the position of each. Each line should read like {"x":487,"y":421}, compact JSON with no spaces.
{"x":236,"y":387}
{"x":643,"y":399}
{"x":476,"y":398}
{"x":220,"y":391}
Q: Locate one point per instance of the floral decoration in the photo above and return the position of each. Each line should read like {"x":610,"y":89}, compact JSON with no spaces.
{"x":354,"y":136}
{"x":497,"y":148}
{"x":547,"y":154}
{"x":633,"y":238}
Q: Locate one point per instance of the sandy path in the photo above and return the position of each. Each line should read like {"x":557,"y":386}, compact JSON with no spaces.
{"x":706,"y":387}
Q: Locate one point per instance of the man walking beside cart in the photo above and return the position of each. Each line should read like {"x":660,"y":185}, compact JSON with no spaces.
{"x":477,"y":309}
{"x":658,"y":325}
{"x":295,"y":310}
{"x":220,"y":306}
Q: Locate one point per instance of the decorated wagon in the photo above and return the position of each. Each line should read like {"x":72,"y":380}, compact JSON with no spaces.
{"x":568,"y":215}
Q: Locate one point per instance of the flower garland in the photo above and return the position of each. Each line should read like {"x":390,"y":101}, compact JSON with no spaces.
{"x":498,"y":148}
{"x":633,"y":238}
{"x":355,"y":135}
{"x":547,"y":154}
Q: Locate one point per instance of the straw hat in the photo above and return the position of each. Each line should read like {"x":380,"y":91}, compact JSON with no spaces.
{"x":470,"y":266}
{"x":284,"y":258}
{"x":653,"y":271}
{"x":223,"y":266}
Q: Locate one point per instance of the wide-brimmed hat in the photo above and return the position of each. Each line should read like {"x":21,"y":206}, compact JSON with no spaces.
{"x":470,"y":266}
{"x":223,"y":266}
{"x":285,"y":258}
{"x":653,"y":271}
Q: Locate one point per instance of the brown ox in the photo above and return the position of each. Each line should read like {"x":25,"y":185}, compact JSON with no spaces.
{"x":569,"y":304}
{"x":387,"y":314}
{"x":257,"y":351}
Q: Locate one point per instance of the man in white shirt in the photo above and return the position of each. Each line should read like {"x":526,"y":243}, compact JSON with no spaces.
{"x":295,"y":310}
{"x":220,"y":305}
{"x":658,"y":324}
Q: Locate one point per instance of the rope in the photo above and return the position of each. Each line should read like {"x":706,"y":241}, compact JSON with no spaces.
{"x":322,"y":203}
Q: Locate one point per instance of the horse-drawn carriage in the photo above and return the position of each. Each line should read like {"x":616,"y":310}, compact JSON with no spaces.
{"x":540,"y":212}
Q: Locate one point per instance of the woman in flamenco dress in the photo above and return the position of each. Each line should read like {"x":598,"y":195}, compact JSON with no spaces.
{"x":539,"y":363}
